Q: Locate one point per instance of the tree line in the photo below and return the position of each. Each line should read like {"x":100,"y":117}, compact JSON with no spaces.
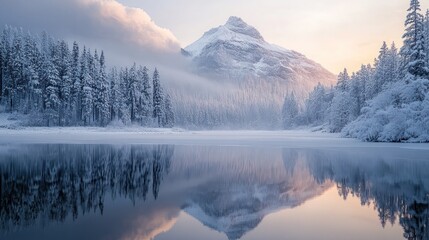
{"x":53,"y":85}
{"x":384,"y":101}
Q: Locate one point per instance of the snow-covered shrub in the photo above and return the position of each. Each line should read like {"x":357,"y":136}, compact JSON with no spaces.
{"x":399,"y":114}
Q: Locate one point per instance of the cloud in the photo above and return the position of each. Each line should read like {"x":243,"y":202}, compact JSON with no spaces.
{"x":127,"y":34}
{"x":132,"y":24}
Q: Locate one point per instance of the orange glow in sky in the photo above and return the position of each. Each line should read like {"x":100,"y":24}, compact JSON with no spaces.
{"x":335,"y":33}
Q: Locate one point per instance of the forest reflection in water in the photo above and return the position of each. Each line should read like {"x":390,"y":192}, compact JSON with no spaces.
{"x":227,"y":189}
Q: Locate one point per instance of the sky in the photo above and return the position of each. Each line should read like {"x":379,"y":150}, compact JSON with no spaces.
{"x":334,"y":33}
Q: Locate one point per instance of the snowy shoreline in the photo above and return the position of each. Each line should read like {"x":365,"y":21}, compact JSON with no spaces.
{"x":139,"y":135}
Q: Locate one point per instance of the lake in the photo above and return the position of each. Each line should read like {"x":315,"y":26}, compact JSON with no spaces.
{"x":170,"y":192}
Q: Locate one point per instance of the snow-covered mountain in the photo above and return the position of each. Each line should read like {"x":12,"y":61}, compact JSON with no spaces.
{"x":237,"y":51}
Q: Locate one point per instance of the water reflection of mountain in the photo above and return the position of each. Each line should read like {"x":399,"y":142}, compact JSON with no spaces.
{"x":42,"y":183}
{"x":229,"y":189}
{"x":395,"y":181}
{"x":238,"y":187}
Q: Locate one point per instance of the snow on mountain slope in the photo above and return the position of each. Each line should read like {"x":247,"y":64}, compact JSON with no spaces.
{"x":250,"y":79}
{"x":237,"y":51}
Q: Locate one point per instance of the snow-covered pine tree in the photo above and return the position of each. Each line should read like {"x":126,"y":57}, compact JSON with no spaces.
{"x":65,"y":86}
{"x":355,"y":97}
{"x":343,"y":79}
{"x":76,"y":86}
{"x":31,"y":68}
{"x":426,"y":34}
{"x":104,"y":92}
{"x":290,"y":111}
{"x":145,"y":95}
{"x":413,"y":52}
{"x":87,"y":99}
{"x":51,"y":100}
{"x":316,"y":106}
{"x":96,"y":85}
{"x":393,"y":64}
{"x":115,"y":94}
{"x":169,"y":119}
{"x":5,"y":67}
{"x":158,"y":102}
{"x":46,"y":43}
{"x":134,"y":94}
{"x":17,"y":84}
{"x":124,"y":99}
{"x":340,"y":111}
{"x":381,"y":73}
{"x":361,"y":82}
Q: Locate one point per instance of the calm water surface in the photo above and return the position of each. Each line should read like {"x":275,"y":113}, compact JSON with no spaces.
{"x":168,"y":192}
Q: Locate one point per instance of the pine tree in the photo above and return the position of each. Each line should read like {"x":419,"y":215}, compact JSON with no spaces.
{"x":124,"y":100}
{"x":65,"y":85}
{"x":381,"y":74}
{"x":87,"y":98}
{"x":115,"y":93}
{"x":169,"y":119}
{"x":145,"y":95}
{"x":76,"y":85}
{"x":52,"y":102}
{"x":393,"y":64}
{"x":343,"y":79}
{"x":31,"y":68}
{"x":104,"y":90}
{"x":413,"y":52}
{"x":426,"y":34}
{"x":340,"y":111}
{"x":96,"y":85}
{"x":134,"y":94}
{"x":290,"y":111}
{"x":17,"y":84}
{"x":316,"y":105}
{"x":6,"y":68}
{"x":158,"y":110}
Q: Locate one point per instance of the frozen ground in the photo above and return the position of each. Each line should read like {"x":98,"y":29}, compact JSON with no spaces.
{"x":12,"y":133}
{"x":137,"y":135}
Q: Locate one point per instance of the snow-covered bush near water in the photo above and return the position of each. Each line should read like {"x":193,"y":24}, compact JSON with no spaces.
{"x":399,"y":114}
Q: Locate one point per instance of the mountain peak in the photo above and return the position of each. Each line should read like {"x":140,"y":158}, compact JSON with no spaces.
{"x":236,"y":21}
{"x":237,"y":25}
{"x":237,"y":52}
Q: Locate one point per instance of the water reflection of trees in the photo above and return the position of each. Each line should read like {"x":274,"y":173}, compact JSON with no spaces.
{"x":51,"y":182}
{"x":398,"y":189}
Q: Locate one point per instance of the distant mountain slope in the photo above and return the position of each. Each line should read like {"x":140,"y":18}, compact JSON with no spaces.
{"x":237,"y":51}
{"x":248,"y":77}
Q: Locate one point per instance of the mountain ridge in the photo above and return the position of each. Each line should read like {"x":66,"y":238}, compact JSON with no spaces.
{"x":237,"y":50}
